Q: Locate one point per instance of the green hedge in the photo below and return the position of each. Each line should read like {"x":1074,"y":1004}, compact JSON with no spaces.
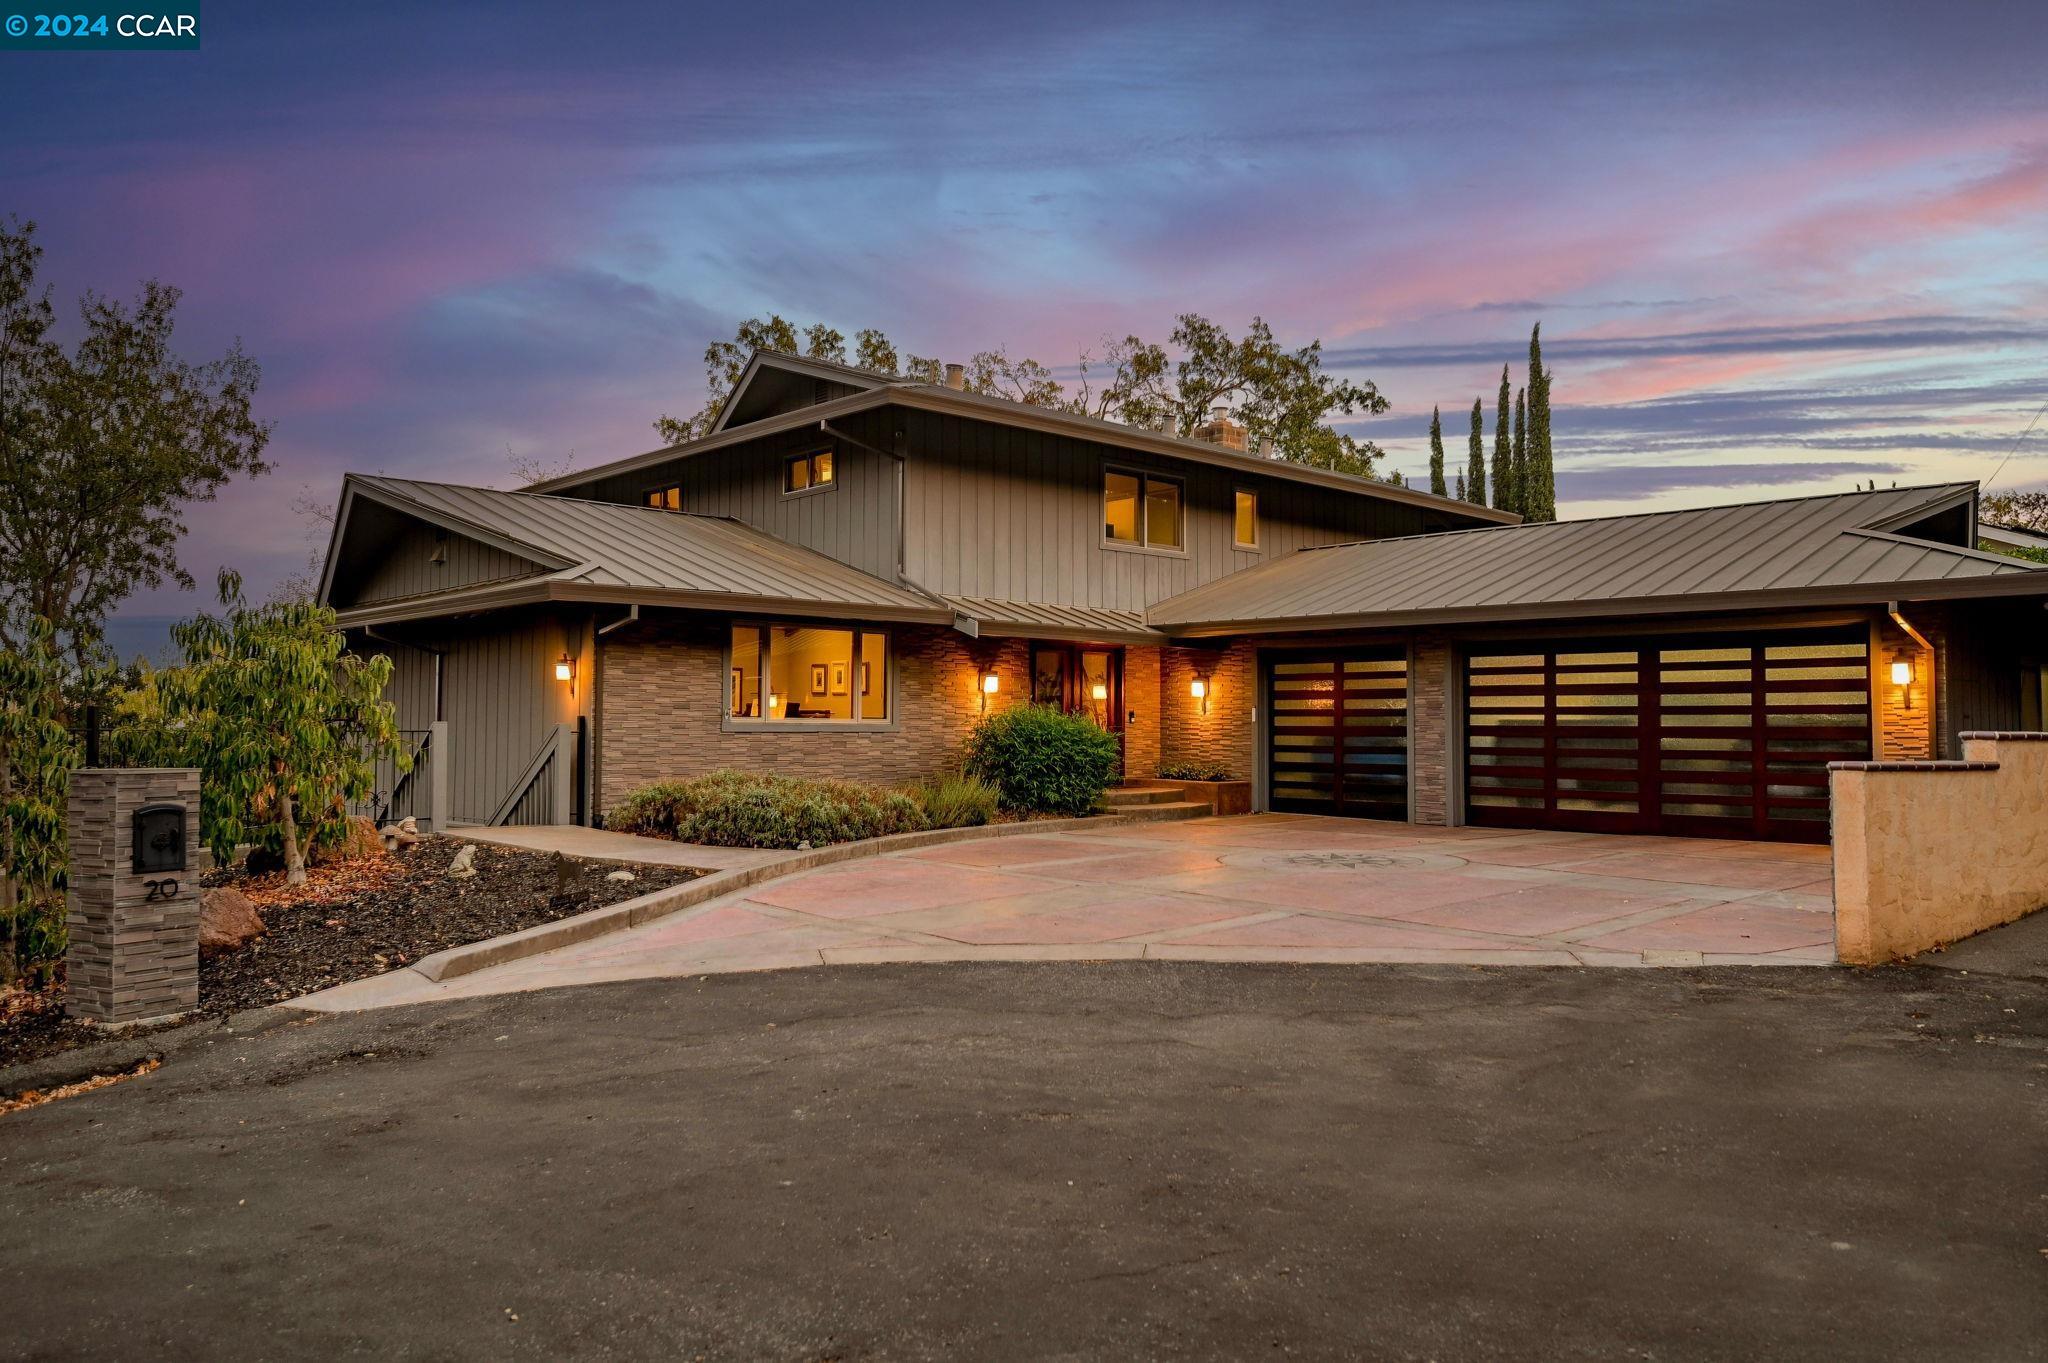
{"x":1194,"y":771}
{"x":1042,"y":759}
{"x":743,"y":809}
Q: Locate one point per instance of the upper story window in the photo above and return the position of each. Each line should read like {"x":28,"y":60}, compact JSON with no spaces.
{"x":668,"y":498}
{"x":1141,"y":508}
{"x":1246,"y":519}
{"x":802,"y":472}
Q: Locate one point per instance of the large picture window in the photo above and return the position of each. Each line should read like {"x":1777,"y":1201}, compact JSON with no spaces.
{"x":1141,"y":509}
{"x":782,"y":673}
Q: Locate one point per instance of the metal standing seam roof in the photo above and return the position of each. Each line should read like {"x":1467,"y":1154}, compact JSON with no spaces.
{"x":1033,"y":617}
{"x":1821,"y":548}
{"x":605,"y":544}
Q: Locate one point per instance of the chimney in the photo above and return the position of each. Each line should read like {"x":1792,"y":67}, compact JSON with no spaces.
{"x":1219,"y":429}
{"x":956,"y":377}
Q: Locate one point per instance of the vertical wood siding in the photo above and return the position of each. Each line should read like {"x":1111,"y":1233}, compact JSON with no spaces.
{"x":406,"y":567}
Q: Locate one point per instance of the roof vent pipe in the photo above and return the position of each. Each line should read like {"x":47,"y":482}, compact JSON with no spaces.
{"x":956,"y":377}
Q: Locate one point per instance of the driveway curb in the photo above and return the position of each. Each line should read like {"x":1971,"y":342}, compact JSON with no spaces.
{"x":631,"y":913}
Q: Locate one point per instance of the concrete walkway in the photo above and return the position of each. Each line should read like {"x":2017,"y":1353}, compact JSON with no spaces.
{"x":1262,"y":887}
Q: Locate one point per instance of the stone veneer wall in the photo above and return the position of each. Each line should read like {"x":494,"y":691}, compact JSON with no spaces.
{"x":661,"y":707}
{"x":1223,"y":737}
{"x":1929,"y":852}
{"x":1429,"y":754}
{"x":1906,"y":722}
{"x":1141,"y":710}
{"x":129,"y":957}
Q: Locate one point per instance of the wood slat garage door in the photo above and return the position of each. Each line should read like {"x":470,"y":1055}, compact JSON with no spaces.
{"x":1712,"y":737}
{"x":1338,"y":735}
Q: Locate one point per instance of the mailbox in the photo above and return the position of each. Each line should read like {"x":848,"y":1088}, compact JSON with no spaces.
{"x":159,"y":842}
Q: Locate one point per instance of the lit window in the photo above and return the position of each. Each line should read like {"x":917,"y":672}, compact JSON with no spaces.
{"x":1247,"y":519}
{"x":807,"y":471}
{"x":796,"y":672}
{"x":668,"y":498}
{"x":1141,"y":509}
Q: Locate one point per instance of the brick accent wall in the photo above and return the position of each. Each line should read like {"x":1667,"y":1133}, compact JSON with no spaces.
{"x":1429,"y":753}
{"x":1141,"y":709}
{"x":129,"y":956}
{"x":1905,"y":718}
{"x":1223,"y":737}
{"x":661,"y":707}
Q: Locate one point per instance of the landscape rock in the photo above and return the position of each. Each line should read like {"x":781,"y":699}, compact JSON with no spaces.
{"x":227,"y":919}
{"x":621,"y":876}
{"x":360,"y":841}
{"x":463,"y":867}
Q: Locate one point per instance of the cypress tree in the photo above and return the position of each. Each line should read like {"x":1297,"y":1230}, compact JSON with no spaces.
{"x":1460,"y":493}
{"x":1503,"y":456}
{"x":1475,"y":459}
{"x":1541,"y":494}
{"x":1436,"y":452}
{"x":1521,"y":454}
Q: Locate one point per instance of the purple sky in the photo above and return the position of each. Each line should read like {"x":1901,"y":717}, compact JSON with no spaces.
{"x":1775,"y":248}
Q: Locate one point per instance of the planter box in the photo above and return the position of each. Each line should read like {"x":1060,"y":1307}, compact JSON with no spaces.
{"x":1222,"y":797}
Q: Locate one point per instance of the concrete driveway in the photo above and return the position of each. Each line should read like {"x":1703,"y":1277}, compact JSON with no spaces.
{"x":1263,"y":887}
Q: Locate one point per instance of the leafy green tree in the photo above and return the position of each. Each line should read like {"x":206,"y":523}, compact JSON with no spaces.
{"x":2013,"y":510}
{"x":995,"y":374}
{"x":1521,"y":458}
{"x":1503,"y":450}
{"x":284,"y":724}
{"x":37,"y":754}
{"x":1475,"y":459}
{"x":1540,"y":496}
{"x":101,"y":448}
{"x":1436,"y":452}
{"x":1138,"y":391}
{"x":1278,"y":394}
{"x":725,"y":361}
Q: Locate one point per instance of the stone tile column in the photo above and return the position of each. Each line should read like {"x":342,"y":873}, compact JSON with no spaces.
{"x":1429,"y":741}
{"x":133,"y":951}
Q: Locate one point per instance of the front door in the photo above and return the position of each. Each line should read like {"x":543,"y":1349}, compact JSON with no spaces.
{"x":1080,"y":679}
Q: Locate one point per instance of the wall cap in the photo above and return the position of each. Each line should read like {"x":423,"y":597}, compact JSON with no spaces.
{"x":1913,"y":766}
{"x":2005,"y":735}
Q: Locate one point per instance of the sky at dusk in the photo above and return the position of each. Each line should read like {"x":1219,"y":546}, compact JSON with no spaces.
{"x":1775,"y":248}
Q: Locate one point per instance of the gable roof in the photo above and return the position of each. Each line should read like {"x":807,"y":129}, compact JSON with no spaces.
{"x":1840,"y":548}
{"x":937,"y":397}
{"x":603,"y":551}
{"x":866,"y":380}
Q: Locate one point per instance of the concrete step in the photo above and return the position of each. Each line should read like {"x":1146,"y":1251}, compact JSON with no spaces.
{"x":1153,"y":813}
{"x":1124,"y":797}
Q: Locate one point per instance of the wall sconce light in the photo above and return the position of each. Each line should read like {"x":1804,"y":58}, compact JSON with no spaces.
{"x":989,"y":685}
{"x":565,"y":671}
{"x":1199,"y":689}
{"x":1099,"y":691}
{"x":1902,"y":672}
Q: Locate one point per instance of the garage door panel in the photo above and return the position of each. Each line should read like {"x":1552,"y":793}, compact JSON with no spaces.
{"x":1719,"y":737}
{"x":1337,"y":735}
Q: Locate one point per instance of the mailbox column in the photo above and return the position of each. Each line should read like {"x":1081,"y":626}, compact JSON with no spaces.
{"x":133,"y":921}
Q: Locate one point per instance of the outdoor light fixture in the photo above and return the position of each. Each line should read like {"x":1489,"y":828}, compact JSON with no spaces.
{"x":1100,"y":691}
{"x":1199,"y":689}
{"x":989,"y":686}
{"x":1902,"y":672}
{"x":565,"y":668}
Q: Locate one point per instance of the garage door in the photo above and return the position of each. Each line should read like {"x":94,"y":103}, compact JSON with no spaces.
{"x":1707,"y":737}
{"x":1338,"y":735}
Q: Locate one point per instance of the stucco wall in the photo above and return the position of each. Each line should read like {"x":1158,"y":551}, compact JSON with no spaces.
{"x":1928,"y":852}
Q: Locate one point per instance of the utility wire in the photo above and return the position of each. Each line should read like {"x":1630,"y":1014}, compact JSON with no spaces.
{"x":2015,"y":445}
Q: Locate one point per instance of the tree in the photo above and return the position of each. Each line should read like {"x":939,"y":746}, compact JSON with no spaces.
{"x":284,"y":724}
{"x":1436,"y":452}
{"x":2013,"y":510}
{"x":1474,"y":481}
{"x":995,"y":374}
{"x":1503,"y":452}
{"x":1540,"y":495}
{"x":1276,"y":394}
{"x":1137,"y":393}
{"x":37,"y":754}
{"x":725,"y":361}
{"x":1521,"y":457}
{"x":102,"y":448}
{"x":1460,"y":493}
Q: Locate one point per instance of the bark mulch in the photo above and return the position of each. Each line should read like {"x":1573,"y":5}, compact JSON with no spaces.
{"x":356,"y":919}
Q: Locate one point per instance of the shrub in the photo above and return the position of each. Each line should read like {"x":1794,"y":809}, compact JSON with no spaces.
{"x":955,"y":800}
{"x":1194,"y":771}
{"x":742,"y":809}
{"x":1042,"y":759}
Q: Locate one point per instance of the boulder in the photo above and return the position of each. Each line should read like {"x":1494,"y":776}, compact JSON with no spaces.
{"x":226,"y":919}
{"x":360,"y":839}
{"x":463,"y":867}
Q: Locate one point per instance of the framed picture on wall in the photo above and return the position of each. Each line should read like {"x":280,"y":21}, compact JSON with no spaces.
{"x":817,"y":679}
{"x":864,"y":680}
{"x":839,"y":679}
{"x":739,"y":692}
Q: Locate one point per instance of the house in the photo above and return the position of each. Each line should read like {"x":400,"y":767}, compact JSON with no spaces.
{"x":848,"y":570}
